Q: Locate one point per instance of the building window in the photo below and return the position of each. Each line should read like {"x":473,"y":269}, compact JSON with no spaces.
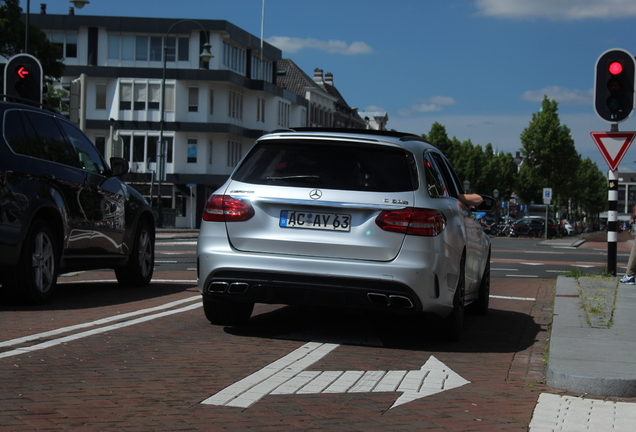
{"x":192,"y":150}
{"x":142,"y":96}
{"x":100,"y":96}
{"x":139,"y":149}
{"x":193,"y":99}
{"x":154,"y":96}
{"x":283,"y":114}
{"x":141,"y":48}
{"x":184,"y":49}
{"x":234,"y":152}
{"x":125,"y":96}
{"x":234,"y":58}
{"x":261,"y":69}
{"x":211,"y":101}
{"x":210,"y":152}
{"x":156,"y":49}
{"x":235,"y":107}
{"x":67,"y":42}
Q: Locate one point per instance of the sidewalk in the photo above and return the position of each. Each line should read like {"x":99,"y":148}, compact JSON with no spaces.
{"x":592,"y":352}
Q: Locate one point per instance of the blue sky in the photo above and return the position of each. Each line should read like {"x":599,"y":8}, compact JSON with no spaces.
{"x":478,"y":67}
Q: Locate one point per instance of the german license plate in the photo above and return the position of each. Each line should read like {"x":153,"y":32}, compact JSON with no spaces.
{"x":320,"y":221}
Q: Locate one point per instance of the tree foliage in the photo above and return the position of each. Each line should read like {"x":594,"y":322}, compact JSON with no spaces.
{"x":485,"y":169}
{"x":12,"y":34}
{"x":550,"y":157}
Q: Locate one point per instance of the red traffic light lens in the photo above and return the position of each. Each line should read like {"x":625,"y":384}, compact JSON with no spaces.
{"x":615,"y":68}
{"x":22,"y":71}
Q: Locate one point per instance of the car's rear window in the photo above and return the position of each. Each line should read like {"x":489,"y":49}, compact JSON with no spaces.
{"x":329,"y":165}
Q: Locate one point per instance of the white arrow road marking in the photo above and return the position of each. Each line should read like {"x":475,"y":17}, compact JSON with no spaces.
{"x":288,"y":376}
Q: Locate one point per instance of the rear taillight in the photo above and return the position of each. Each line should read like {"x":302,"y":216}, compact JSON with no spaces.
{"x":224,"y":208}
{"x":412,"y":221}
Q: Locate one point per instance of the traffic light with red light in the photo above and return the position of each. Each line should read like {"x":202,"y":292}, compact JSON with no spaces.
{"x":23,"y":77}
{"x":614,"y":85}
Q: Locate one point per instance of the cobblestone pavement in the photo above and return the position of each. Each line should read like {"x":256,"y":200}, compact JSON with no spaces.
{"x":153,"y":375}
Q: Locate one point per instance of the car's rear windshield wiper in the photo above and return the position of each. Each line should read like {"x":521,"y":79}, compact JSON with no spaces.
{"x":295,"y":177}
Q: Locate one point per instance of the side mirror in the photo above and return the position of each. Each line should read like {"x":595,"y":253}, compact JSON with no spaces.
{"x":489,"y":204}
{"x":118,"y":166}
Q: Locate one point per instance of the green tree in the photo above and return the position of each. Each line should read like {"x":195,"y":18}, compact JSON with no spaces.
{"x":485,"y":170}
{"x":12,"y":32}
{"x":550,"y":158}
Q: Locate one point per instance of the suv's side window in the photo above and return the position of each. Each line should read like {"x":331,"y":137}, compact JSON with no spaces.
{"x":46,"y":140}
{"x":14,"y":132}
{"x":447,"y":173}
{"x":435,"y":181}
{"x":89,"y":157}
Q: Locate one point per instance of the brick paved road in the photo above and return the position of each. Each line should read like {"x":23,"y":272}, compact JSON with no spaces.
{"x":152,"y":376}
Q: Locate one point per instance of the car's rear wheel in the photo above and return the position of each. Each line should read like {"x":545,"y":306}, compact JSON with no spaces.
{"x":453,"y":324}
{"x":34,"y":278}
{"x":227,"y":312}
{"x":138,"y":271}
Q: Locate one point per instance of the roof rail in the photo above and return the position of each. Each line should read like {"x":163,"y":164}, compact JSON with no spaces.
{"x":404,"y":136}
{"x":16,"y":99}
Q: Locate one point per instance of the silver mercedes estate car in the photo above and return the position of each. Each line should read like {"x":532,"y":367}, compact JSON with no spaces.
{"x":351,"y":218}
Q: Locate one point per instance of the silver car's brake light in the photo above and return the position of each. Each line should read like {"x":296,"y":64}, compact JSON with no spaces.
{"x":224,"y":208}
{"x":412,"y":221}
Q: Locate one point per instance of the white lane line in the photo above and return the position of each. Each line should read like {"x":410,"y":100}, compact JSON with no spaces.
{"x":76,"y":336}
{"x":504,"y":269}
{"x":522,"y":276}
{"x":97,"y":322}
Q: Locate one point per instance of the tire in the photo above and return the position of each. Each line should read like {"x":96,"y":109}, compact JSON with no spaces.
{"x":453,"y":324}
{"x":226,"y":312}
{"x":34,"y":279}
{"x":480,"y":306}
{"x":138,"y":271}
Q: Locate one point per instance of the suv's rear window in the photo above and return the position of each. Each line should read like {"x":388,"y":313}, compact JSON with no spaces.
{"x":328,"y":165}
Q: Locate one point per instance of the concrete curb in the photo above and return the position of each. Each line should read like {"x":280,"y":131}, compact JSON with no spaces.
{"x":595,"y":361}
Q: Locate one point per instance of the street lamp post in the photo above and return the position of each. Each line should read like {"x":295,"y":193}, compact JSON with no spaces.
{"x":205,"y":56}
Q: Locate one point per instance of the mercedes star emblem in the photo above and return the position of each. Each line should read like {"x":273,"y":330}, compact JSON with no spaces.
{"x":315,"y":194}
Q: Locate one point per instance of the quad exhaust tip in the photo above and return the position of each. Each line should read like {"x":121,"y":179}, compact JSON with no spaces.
{"x":390,"y":300}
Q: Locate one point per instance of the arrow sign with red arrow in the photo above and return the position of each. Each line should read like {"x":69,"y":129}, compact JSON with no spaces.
{"x":287,"y":376}
{"x":613,"y":146}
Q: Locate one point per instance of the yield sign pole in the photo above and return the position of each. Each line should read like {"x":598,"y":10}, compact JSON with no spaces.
{"x":613,"y":146}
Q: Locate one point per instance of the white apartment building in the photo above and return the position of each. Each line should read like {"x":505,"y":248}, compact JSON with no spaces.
{"x":213,"y":111}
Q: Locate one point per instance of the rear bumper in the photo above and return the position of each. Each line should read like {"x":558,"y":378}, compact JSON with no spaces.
{"x":414,"y":282}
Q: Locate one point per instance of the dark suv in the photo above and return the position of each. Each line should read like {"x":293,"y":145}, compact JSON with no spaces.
{"x":62,"y":207}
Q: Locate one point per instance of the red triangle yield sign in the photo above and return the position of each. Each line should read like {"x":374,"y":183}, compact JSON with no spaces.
{"x":613,"y":146}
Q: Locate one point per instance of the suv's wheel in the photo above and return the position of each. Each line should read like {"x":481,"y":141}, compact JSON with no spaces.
{"x":453,"y":324}
{"x":35,"y":277}
{"x":227,"y":312}
{"x":138,"y":271}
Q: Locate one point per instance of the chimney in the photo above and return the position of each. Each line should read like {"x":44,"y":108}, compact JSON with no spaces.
{"x":329,"y":78}
{"x":71,"y":10}
{"x":42,"y":8}
{"x":318,"y":75}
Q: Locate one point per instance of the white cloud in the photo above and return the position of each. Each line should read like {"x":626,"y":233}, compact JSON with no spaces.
{"x":292,"y":45}
{"x":373,"y":108}
{"x":562,"y":95}
{"x":557,"y":10}
{"x":436,"y":103}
